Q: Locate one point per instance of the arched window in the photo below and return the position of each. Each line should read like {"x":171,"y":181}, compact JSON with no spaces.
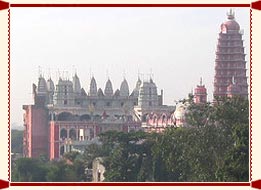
{"x":85,"y":117}
{"x":65,"y":116}
{"x":163,"y":118}
{"x":154,"y":119}
{"x":63,"y":134}
{"x":72,"y":134}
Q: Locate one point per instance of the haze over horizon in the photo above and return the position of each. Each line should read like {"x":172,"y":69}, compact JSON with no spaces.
{"x":177,"y":45}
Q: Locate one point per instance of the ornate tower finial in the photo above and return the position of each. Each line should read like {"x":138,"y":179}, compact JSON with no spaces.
{"x":91,"y":74}
{"x":200,"y":81}
{"x":74,"y":70}
{"x":231,"y":15}
{"x":124,"y":74}
{"x":138,"y":74}
{"x":107,"y":74}
{"x":39,"y":71}
{"x":49,"y":72}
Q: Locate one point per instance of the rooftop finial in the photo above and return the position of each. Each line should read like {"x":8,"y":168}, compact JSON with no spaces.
{"x":151,"y":75}
{"x":90,"y":70}
{"x":138,"y":74}
{"x":39,"y":71}
{"x":231,"y":15}
{"x":74,"y":70}
{"x":200,"y":81}
{"x":49,"y":73}
{"x":107,"y":74}
{"x":124,"y":74}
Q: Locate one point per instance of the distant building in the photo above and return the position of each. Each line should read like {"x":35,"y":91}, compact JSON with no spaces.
{"x":230,"y":65}
{"x":200,"y":93}
{"x":65,"y":116}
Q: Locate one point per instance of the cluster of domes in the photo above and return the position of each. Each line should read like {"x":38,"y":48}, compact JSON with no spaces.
{"x":108,"y":91}
{"x":48,"y":86}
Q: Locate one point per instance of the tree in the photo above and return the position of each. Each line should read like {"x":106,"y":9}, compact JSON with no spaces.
{"x":77,"y":164}
{"x":16,"y":141}
{"x":127,"y":155}
{"x":226,"y":134}
{"x":60,"y":171}
{"x":30,"y":170}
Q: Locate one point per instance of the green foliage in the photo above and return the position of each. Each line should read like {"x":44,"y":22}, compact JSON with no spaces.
{"x":28,"y":169}
{"x":213,"y":148}
{"x":91,"y":152}
{"x":124,"y":161}
{"x":61,"y":172}
{"x":16,"y":141}
{"x":41,"y":170}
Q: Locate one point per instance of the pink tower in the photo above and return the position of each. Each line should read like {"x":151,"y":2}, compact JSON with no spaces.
{"x":230,"y":60}
{"x":200,"y":93}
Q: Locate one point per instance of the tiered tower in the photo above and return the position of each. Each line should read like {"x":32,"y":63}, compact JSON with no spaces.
{"x":230,"y":61}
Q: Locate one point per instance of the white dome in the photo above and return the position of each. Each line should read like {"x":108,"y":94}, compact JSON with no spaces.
{"x":42,"y":85}
{"x":180,"y":112}
{"x":93,"y":87}
{"x":50,"y":85}
{"x":124,"y":89}
{"x":108,"y":88}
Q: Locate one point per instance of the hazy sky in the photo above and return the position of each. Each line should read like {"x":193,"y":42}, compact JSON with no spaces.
{"x":176,"y":44}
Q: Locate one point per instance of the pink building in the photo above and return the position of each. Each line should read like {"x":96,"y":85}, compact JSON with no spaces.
{"x":230,"y":61}
{"x":65,"y":118}
{"x":200,"y":93}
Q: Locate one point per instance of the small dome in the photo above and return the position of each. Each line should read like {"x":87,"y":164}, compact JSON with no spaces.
{"x":50,"y":85}
{"x":108,"y":88}
{"x":83,"y":93}
{"x":124,"y":89}
{"x":117,"y":93}
{"x":231,"y":25}
{"x":180,"y":112}
{"x":42,"y":85}
{"x":100,"y":93}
